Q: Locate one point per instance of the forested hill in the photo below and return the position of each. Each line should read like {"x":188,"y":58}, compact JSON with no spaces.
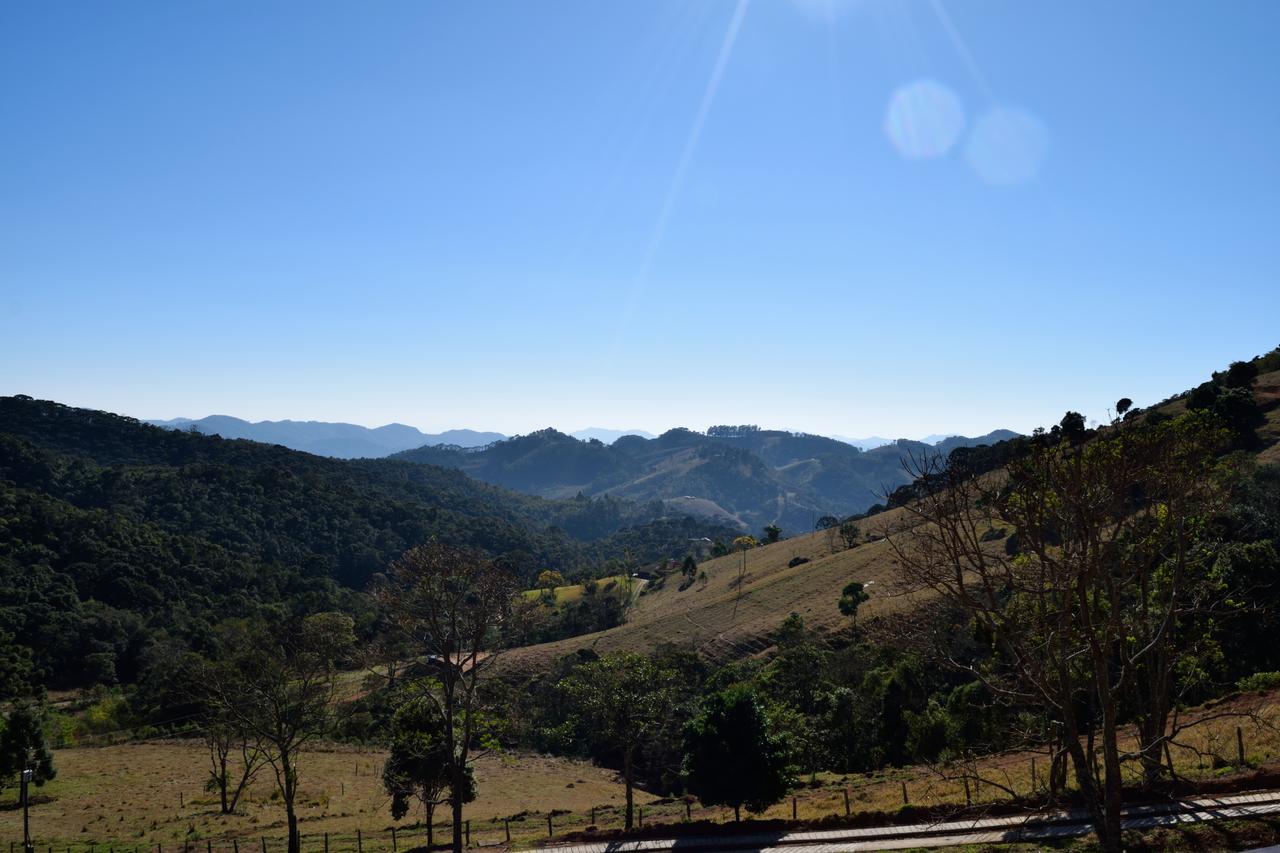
{"x":742,"y":474}
{"x":114,"y":532}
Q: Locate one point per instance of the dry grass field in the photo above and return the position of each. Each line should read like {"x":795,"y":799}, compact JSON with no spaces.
{"x":724,"y":621}
{"x":144,"y":794}
{"x":147,"y":794}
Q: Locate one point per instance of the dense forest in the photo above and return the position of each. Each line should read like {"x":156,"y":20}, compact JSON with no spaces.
{"x":116,"y":533}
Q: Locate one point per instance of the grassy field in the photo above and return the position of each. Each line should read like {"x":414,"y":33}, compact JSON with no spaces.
{"x":144,"y":794}
{"x":572,"y":592}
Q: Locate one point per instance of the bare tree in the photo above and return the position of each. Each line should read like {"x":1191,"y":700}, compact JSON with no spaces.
{"x":1094,"y":603}
{"x":279,"y":694}
{"x":223,"y":740}
{"x":452,"y":605}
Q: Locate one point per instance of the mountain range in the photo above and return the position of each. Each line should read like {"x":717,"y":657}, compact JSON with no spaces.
{"x":744,"y":475}
{"x":345,"y":441}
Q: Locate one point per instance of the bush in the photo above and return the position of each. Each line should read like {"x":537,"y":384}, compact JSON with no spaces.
{"x":1259,"y":681}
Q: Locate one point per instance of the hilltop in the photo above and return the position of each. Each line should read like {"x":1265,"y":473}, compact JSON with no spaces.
{"x":741,"y":475}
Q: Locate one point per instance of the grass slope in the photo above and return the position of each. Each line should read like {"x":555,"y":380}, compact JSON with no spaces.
{"x":723,"y":623}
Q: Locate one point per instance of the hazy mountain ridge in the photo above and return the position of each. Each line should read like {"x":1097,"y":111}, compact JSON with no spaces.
{"x":323,"y":438}
{"x":753,"y":476}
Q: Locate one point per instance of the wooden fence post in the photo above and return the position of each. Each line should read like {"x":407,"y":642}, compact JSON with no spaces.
{"x":506,"y":823}
{"x":326,"y":843}
{"x":641,"y":814}
{"x":593,"y":815}
{"x":968,"y":800}
{"x":1240,"y":744}
{"x":688,"y":811}
{"x":467,"y":827}
{"x":235,"y":845}
{"x":394,"y":847}
{"x":793,"y":808}
{"x":549,"y":832}
{"x":846,"y":802}
{"x":905,"y":800}
{"x":263,"y":839}
{"x":359,"y":841}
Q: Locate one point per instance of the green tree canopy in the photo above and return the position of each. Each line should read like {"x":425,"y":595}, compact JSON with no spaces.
{"x":732,"y":755}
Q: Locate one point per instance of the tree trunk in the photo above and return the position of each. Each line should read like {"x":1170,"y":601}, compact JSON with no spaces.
{"x":626,"y":777}
{"x":1113,"y":795}
{"x":431,"y":830}
{"x":290,"y":793}
{"x":222,"y":783}
{"x":455,"y":803}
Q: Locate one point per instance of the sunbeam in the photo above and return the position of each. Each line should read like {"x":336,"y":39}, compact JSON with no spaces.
{"x":677,"y":179}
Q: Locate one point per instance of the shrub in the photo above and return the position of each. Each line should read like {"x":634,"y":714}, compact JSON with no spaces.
{"x":1259,"y":681}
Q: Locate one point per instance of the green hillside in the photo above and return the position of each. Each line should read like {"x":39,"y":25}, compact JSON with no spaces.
{"x":117,"y":535}
{"x":741,"y":474}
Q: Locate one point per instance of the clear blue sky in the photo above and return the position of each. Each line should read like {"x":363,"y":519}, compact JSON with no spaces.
{"x":860,"y":217}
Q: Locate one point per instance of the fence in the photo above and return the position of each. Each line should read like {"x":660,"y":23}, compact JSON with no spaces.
{"x":1020,"y":775}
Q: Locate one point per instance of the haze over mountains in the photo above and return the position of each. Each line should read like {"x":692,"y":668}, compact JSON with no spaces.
{"x":342,"y":440}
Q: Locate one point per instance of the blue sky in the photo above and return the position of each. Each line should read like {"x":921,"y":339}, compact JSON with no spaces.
{"x":853,"y":217}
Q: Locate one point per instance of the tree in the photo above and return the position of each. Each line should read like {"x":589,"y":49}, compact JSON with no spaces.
{"x":549,"y":579}
{"x":851,"y":597}
{"x":17,"y":678}
{"x":732,"y":756}
{"x":772,"y":533}
{"x":225,"y":737}
{"x":418,"y":765}
{"x":849,"y":532}
{"x":1240,"y":374}
{"x":624,"y":701}
{"x":452,"y":605}
{"x":1106,"y":598}
{"x":1123,"y":405}
{"x":278,"y":692}
{"x":1072,"y":426}
{"x":742,"y":544}
{"x":23,"y":747}
{"x":826,"y":522}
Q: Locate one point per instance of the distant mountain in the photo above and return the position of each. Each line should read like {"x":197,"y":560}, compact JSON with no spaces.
{"x":608,"y":436}
{"x":742,"y":475}
{"x":345,"y":441}
{"x":869,"y":443}
{"x":873,"y":441}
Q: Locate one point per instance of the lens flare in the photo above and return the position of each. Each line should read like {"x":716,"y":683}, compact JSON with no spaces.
{"x":924,"y":119}
{"x":1007,"y":146}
